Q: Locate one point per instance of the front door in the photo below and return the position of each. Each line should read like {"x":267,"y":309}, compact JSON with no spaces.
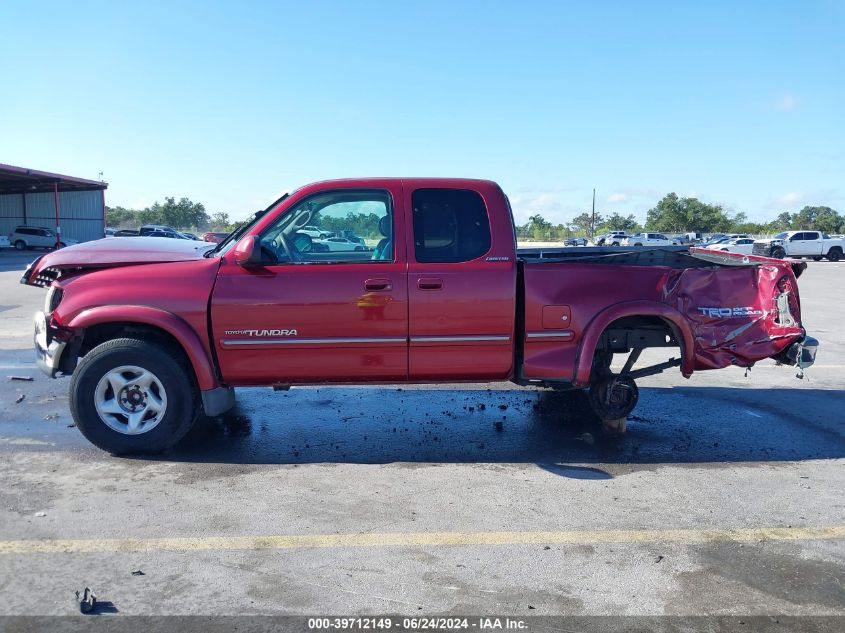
{"x":461,"y":284}
{"x":319,"y":310}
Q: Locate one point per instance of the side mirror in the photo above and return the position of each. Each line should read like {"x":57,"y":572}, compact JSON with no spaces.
{"x":248,"y":251}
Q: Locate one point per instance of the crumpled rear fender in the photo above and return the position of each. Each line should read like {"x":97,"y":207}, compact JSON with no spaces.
{"x":167,"y":321}
{"x":733,"y":312}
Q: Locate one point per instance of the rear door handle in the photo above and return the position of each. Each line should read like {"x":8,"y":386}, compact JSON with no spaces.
{"x":429,"y":283}
{"x":378,"y":285}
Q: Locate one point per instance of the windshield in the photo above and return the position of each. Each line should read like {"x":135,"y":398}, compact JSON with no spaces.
{"x":223,"y":247}
{"x":780,"y":236}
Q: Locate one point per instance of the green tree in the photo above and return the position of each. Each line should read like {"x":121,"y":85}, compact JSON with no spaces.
{"x":220,"y":221}
{"x":818,"y":218}
{"x":617,"y":222}
{"x":182,"y":214}
{"x":583,"y":223}
{"x":674,"y":214}
{"x":120,"y":217}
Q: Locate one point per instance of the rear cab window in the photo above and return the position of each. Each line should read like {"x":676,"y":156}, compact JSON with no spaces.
{"x":450,"y":225}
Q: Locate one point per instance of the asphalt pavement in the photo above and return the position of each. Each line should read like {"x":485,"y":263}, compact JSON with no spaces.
{"x":724,"y":498}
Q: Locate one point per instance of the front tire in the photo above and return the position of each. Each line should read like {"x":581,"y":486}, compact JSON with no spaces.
{"x":778,"y":253}
{"x":20,"y":245}
{"x":133,"y":396}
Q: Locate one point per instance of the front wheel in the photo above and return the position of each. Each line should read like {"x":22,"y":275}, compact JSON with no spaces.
{"x":778,"y":253}
{"x":20,"y":245}
{"x":132,"y":396}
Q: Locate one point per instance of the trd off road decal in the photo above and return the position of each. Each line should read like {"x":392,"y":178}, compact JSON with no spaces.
{"x":725,"y":313}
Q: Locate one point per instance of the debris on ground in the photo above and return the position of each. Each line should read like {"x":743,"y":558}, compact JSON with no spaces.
{"x":499,"y":425}
{"x":138,"y":572}
{"x":71,"y":425}
{"x":503,"y":407}
{"x":20,"y":398}
{"x":88,"y":601}
{"x":51,"y":416}
{"x":41,"y":514}
{"x":658,"y":559}
{"x":23,"y":378}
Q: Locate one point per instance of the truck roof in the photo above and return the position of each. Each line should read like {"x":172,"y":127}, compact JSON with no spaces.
{"x":428,"y":180}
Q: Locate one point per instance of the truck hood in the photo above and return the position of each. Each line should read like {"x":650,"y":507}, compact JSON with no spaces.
{"x":112,"y":252}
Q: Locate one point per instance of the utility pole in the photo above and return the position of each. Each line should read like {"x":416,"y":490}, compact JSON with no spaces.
{"x":593,"y":221}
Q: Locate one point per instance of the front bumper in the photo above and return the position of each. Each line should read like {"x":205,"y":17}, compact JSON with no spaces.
{"x":48,"y":349}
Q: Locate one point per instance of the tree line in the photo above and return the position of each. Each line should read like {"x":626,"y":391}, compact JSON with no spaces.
{"x":674,"y":214}
{"x":182,"y":214}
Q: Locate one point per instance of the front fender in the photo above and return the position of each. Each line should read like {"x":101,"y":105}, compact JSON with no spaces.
{"x":590,"y":338}
{"x":167,"y":321}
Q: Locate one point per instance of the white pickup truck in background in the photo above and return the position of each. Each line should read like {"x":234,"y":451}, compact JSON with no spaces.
{"x":815,"y":244}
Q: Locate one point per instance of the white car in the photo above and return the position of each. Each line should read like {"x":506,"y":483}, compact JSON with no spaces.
{"x":332,"y":244}
{"x":314,"y":232}
{"x":647,"y":239}
{"x":25,"y":237}
{"x":742,"y":245}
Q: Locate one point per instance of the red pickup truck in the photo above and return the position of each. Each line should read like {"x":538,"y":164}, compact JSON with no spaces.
{"x":156,"y":331}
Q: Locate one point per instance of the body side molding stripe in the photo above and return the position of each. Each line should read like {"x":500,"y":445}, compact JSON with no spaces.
{"x":310,"y":341}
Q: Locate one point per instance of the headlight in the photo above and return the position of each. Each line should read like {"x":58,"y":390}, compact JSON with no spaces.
{"x":54,"y":296}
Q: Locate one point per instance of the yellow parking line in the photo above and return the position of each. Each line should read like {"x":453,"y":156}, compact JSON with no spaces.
{"x":311,"y":541}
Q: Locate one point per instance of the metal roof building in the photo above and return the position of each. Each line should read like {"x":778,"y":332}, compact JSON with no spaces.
{"x":74,"y":207}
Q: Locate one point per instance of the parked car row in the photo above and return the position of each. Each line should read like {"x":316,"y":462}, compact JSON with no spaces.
{"x":152,"y":230}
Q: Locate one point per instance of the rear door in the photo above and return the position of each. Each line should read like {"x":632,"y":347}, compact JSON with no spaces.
{"x":461,"y":283}
{"x":812,"y":243}
{"x":311,"y":316}
{"x":799,"y":244}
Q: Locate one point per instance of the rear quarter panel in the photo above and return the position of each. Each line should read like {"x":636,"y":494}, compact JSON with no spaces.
{"x":724,"y":315}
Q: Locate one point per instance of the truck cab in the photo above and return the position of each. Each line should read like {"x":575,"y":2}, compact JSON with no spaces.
{"x":434,"y":299}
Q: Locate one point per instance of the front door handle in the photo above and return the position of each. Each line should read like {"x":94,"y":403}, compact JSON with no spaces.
{"x":378,"y":285}
{"x":429,"y":283}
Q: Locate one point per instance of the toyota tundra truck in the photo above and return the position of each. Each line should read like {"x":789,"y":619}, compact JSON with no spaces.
{"x":156,"y":332}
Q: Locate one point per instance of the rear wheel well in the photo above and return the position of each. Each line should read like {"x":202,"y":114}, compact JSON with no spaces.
{"x":633,"y":334}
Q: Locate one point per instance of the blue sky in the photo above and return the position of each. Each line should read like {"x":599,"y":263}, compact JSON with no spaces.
{"x":741,"y":103}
